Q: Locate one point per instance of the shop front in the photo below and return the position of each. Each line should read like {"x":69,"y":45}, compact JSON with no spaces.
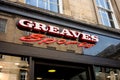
{"x":39,"y":46}
{"x":45,"y":64}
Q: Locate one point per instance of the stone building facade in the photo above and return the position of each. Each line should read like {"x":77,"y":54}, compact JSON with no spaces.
{"x":21,"y":59}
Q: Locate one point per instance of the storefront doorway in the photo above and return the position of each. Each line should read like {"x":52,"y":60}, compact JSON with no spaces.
{"x":53,"y":71}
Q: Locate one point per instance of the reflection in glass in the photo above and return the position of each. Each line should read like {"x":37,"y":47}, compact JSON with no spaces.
{"x":106,"y":47}
{"x":103,"y":73}
{"x":13,"y":68}
{"x":81,"y":76}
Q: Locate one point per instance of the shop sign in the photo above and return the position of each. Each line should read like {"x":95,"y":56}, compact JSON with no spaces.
{"x":83,"y":39}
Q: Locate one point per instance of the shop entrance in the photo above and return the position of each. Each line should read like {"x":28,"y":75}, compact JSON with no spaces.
{"x":51,"y":71}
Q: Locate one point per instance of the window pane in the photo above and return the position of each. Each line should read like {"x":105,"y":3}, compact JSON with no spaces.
{"x":41,"y":4}
{"x":54,"y":7}
{"x":2,"y":25}
{"x":106,"y":22}
{"x":101,"y":16}
{"x":54,"y":1}
{"x":102,"y":3}
{"x":32,"y":2}
{"x":97,"y":2}
{"x":107,"y":5}
{"x":23,"y":75}
{"x":106,"y":19}
{"x":104,"y":14}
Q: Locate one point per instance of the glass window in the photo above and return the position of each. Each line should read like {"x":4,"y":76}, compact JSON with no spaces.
{"x":107,"y":47}
{"x":103,"y":73}
{"x":60,"y":72}
{"x":42,"y":4}
{"x":3,"y":23}
{"x":107,"y":5}
{"x":106,"y":13}
{"x":52,"y":5}
{"x":54,"y":1}
{"x":104,"y":17}
{"x":103,"y":4}
{"x":23,"y":75}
